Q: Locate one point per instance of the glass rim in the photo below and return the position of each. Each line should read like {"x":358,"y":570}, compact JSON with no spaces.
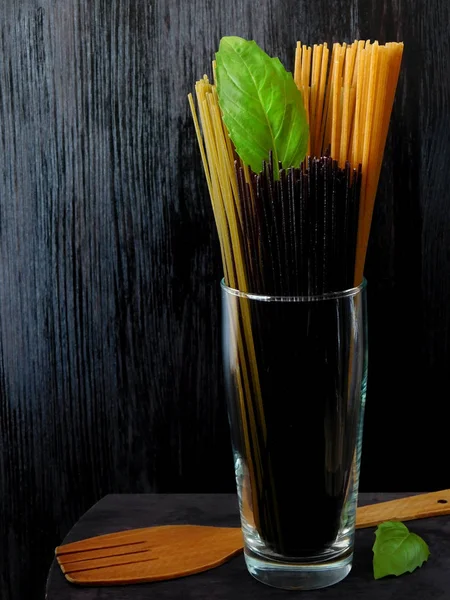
{"x":348,"y":293}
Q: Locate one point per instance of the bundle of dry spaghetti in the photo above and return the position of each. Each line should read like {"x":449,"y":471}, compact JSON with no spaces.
{"x":348,"y":95}
{"x":349,"y":100}
{"x":292,"y":166}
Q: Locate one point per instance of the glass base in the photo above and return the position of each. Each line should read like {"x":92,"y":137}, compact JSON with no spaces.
{"x":298,"y":576}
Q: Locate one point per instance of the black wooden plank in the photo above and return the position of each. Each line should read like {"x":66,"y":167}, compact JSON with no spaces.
{"x":110,"y":374}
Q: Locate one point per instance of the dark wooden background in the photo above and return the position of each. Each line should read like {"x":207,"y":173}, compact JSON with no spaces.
{"x":109,"y":263}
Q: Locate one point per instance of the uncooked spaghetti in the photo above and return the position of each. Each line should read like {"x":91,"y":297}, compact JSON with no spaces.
{"x":297,"y":228}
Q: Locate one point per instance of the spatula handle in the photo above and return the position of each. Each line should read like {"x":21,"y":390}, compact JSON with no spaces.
{"x":404,"y":509}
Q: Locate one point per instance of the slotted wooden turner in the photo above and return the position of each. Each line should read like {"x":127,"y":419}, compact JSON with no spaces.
{"x":170,"y":551}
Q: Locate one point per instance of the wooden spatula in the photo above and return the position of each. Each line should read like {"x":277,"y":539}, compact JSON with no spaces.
{"x":170,"y":551}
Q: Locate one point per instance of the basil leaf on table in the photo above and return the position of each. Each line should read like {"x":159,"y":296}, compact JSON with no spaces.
{"x":261,"y":106}
{"x":396,"y":550}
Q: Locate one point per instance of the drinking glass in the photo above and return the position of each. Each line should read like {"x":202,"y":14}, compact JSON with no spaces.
{"x":296,"y":373}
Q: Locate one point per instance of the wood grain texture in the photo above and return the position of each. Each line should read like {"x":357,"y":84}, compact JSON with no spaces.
{"x":110,"y":374}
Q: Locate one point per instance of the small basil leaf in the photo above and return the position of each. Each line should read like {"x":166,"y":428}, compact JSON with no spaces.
{"x":396,"y":550}
{"x":261,"y":106}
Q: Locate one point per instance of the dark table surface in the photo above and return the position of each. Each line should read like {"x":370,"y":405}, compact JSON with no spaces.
{"x":231,"y":580}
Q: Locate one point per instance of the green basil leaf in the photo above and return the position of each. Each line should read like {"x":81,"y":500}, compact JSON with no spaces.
{"x":396,"y":550}
{"x":261,"y":106}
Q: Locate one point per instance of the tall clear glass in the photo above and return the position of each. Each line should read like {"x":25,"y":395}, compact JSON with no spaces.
{"x":296,"y":373}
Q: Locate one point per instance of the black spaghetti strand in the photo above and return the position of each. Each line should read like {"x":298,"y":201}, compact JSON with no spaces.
{"x":299,"y":239}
